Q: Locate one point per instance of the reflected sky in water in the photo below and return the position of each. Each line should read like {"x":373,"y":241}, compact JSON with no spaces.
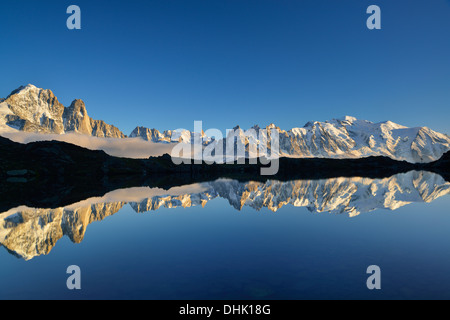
{"x":213,"y":251}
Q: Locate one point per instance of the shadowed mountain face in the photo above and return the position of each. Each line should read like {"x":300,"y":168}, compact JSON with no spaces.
{"x":27,"y":232}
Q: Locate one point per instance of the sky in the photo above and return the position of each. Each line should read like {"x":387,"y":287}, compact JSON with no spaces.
{"x":166,"y":63}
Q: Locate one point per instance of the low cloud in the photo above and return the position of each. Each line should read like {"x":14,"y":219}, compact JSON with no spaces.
{"x":136,"y":148}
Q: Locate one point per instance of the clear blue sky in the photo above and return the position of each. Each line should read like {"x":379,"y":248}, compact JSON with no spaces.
{"x":163,"y":64}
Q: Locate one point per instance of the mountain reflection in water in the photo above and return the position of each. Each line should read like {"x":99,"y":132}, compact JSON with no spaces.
{"x":29,"y":232}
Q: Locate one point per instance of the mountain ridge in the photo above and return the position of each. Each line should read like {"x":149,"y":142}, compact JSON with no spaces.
{"x":32,"y":109}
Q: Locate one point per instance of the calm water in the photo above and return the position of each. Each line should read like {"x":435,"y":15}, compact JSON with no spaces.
{"x":315,"y":245}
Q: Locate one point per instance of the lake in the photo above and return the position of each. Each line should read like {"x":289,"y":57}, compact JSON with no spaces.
{"x":227,"y":239}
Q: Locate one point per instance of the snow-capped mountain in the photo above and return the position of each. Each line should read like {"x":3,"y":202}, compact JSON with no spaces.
{"x":37,"y":110}
{"x":338,"y":138}
{"x":168,"y":136}
{"x":33,"y":109}
{"x":28,"y":232}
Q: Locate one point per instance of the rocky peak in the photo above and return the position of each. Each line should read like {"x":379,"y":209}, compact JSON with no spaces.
{"x":38,"y":110}
{"x":78,"y":105}
{"x":35,"y":110}
{"x":147,"y":134}
{"x":76,"y":118}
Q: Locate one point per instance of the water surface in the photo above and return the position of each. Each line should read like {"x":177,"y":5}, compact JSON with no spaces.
{"x":225,"y":239}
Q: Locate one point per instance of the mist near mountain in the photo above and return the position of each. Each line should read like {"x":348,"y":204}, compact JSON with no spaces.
{"x":125,"y":148}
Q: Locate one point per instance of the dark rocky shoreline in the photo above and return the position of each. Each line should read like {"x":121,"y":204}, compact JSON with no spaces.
{"x":52,"y":174}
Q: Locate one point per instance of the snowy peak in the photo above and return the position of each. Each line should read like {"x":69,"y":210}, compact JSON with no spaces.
{"x":22,"y":90}
{"x":349,"y":119}
{"x":33,"y":109}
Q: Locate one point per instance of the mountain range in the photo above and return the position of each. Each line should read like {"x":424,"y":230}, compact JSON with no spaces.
{"x":34,"y":110}
{"x":29,"y":232}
